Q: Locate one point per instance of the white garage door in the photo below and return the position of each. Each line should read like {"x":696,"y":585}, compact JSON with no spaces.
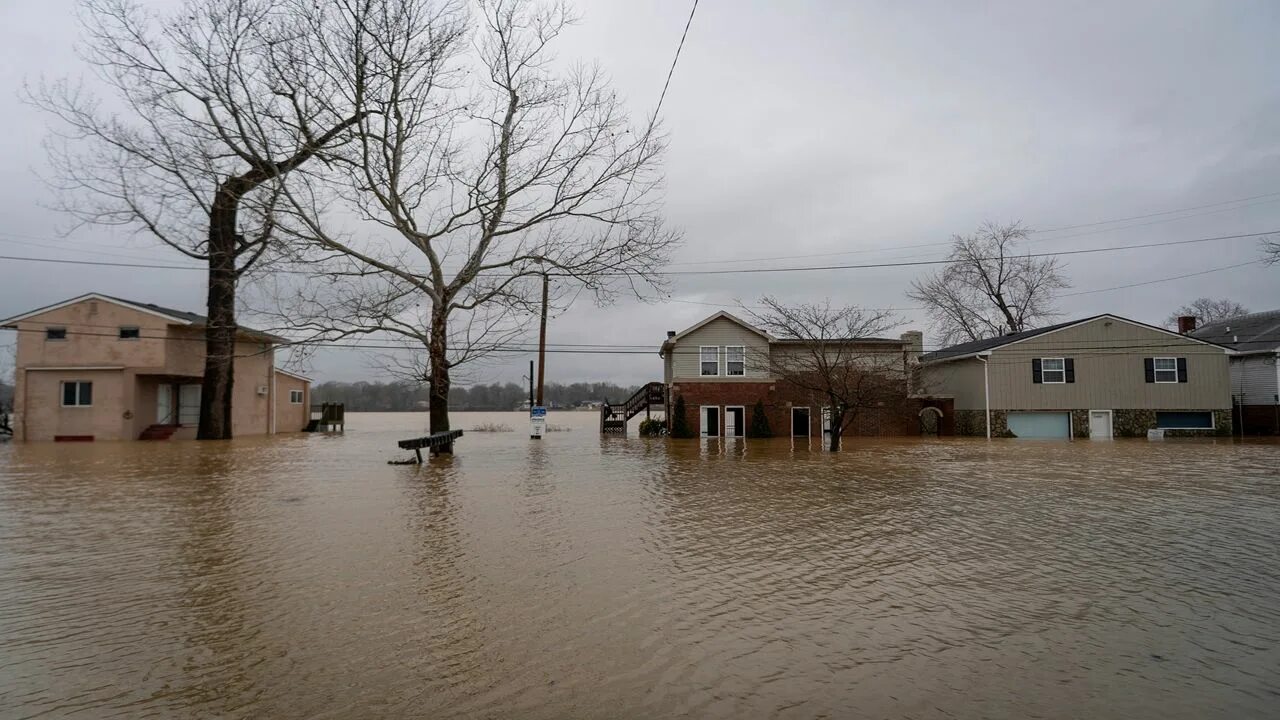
{"x":1040,"y":424}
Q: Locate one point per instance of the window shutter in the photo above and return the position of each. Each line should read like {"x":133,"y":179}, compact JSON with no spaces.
{"x":1149,"y":364}
{"x":1182,"y":370}
{"x":1035,"y":370}
{"x":1069,"y":364}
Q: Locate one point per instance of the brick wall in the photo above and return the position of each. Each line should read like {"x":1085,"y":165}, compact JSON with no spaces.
{"x":896,"y":418}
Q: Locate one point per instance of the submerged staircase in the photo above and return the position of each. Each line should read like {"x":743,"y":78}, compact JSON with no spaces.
{"x":648,"y":397}
{"x":158,"y":432}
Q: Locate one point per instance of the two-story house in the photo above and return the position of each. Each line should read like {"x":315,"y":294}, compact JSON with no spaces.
{"x":1103,"y":376}
{"x":101,"y":368}
{"x":723,"y":365}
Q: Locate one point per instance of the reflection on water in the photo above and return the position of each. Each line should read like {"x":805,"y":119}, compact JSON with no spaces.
{"x":580,"y":576}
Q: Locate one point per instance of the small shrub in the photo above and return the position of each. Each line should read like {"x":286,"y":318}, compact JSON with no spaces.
{"x":759,"y":422}
{"x":680,"y":422}
{"x":652,"y":428}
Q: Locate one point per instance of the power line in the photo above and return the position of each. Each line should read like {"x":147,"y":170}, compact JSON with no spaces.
{"x":741,"y":271}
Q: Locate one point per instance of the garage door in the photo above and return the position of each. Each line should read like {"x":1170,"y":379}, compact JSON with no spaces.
{"x":1040,"y":424}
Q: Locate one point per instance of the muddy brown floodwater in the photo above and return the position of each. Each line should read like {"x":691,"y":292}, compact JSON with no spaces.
{"x":581,"y":577}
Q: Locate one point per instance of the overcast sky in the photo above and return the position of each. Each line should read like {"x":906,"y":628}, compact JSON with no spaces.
{"x":832,"y":127}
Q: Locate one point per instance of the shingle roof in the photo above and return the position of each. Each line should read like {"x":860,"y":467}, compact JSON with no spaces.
{"x":180,"y":314}
{"x":1247,"y":333}
{"x":977,"y":346}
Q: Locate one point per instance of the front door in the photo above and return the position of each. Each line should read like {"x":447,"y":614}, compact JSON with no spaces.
{"x":710,"y":421}
{"x":1100,"y":424}
{"x":733,"y":421}
{"x":164,"y":404}
{"x":189,"y":405}
{"x":799,"y":422}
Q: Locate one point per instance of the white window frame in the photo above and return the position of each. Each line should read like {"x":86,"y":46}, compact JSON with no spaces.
{"x":293,"y":394}
{"x":701,"y":354}
{"x":704,"y":427}
{"x":134,"y":328}
{"x":1044,"y":371}
{"x":62,"y":393}
{"x":740,"y":429}
{"x":50,"y":329}
{"x":1156,"y":370}
{"x":741,"y":349}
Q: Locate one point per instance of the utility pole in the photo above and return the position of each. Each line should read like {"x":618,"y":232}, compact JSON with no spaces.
{"x":542,"y":337}
{"x":531,"y":386}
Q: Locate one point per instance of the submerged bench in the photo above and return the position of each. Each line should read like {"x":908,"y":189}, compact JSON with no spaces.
{"x":435,"y":442}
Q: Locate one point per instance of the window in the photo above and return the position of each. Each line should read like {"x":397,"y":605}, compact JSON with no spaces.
{"x":1184,"y":420}
{"x":710,"y":360}
{"x":1053,"y":370}
{"x":55,"y":333}
{"x":735,"y":360}
{"x":295,"y":397}
{"x":130,"y":333}
{"x":77,"y":394}
{"x":1166,"y":370}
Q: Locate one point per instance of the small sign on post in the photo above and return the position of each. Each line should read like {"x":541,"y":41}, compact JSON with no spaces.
{"x":538,"y":422}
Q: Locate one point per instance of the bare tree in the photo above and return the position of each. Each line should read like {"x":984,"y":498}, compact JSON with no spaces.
{"x":1271,"y":251}
{"x":988,"y":288}
{"x":1207,"y":310}
{"x":837,"y":353}
{"x":481,"y":167}
{"x":212,"y":105}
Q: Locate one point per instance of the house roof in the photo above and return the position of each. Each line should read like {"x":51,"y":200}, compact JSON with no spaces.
{"x":294,"y":375}
{"x":975,"y":347}
{"x":709,"y":319}
{"x":1257,"y":332}
{"x":176,"y":317}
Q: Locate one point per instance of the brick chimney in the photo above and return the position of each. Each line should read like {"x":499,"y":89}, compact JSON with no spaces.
{"x":913,"y":342}
{"x":671,"y":334}
{"x":1186,"y":324}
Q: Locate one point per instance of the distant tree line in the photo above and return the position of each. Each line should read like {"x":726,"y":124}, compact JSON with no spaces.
{"x":404,"y":396}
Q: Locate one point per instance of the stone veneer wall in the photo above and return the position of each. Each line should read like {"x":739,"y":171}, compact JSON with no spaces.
{"x":973,"y":423}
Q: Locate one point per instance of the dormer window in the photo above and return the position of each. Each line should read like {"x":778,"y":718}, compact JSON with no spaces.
{"x":55,"y":333}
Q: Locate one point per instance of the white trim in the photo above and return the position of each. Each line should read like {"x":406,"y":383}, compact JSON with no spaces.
{"x":301,"y":396}
{"x":743,"y":348}
{"x":717,"y":317}
{"x":294,"y":375}
{"x":1104,"y":316}
{"x":742,"y":427}
{"x":1062,"y":370}
{"x":1111,"y":423}
{"x":703,"y":425}
{"x":93,"y":296}
{"x":84,"y":368}
{"x":702,"y":373}
{"x":62,"y":393}
{"x":1155,"y":371}
{"x":808,"y":430}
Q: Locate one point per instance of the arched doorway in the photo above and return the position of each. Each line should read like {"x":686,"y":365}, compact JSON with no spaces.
{"x":930,"y":422}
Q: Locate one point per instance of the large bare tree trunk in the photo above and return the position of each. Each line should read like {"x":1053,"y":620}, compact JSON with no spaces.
{"x":438,"y":380}
{"x":220,"y":332}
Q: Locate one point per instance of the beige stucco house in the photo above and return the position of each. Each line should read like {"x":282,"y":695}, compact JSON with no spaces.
{"x":97,"y":367}
{"x":1103,"y":376}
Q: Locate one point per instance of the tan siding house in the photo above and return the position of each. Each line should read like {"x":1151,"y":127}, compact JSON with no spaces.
{"x":102,"y":368}
{"x":721,"y":368}
{"x":1103,"y":376}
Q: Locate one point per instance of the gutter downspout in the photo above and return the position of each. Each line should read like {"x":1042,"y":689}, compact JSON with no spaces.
{"x":986,"y":389}
{"x":271,"y":394}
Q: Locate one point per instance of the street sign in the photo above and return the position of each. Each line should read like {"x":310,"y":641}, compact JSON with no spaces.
{"x":538,"y":421}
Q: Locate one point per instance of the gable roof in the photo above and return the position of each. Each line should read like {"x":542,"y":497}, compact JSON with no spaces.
{"x":975,"y":347}
{"x":710,"y":319}
{"x":175,"y":317}
{"x":1256,"y":332}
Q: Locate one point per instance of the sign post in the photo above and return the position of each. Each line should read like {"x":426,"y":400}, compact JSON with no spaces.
{"x":538,"y":422}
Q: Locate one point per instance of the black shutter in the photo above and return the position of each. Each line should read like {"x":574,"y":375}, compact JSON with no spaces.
{"x":1035,"y":370}
{"x":1149,"y":364}
{"x":1070,"y":365}
{"x":1182,"y":370}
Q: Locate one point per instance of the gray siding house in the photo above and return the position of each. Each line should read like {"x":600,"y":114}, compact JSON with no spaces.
{"x":1255,"y":367}
{"x":1103,"y":376}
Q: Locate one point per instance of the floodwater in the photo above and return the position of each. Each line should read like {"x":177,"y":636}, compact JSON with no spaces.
{"x":588,"y":577}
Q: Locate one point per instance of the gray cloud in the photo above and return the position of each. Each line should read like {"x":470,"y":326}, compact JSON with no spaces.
{"x":844,"y":128}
